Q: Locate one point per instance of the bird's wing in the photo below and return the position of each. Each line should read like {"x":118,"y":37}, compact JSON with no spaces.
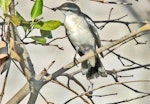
{"x":79,"y":52}
{"x":93,"y":29}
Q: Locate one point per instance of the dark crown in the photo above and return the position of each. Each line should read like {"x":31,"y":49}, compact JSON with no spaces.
{"x":69,"y":7}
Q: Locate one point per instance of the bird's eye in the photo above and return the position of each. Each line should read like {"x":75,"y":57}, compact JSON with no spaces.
{"x":67,"y":10}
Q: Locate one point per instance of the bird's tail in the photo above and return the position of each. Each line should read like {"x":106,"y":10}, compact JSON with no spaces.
{"x":93,"y":68}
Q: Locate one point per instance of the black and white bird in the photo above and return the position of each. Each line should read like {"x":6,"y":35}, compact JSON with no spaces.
{"x":82,"y":34}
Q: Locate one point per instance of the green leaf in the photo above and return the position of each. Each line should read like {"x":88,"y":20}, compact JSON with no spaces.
{"x":45,"y":33}
{"x":4,"y":4}
{"x":25,"y":24}
{"x":14,"y":19}
{"x":37,"y":9}
{"x":39,"y":39}
{"x":48,"y":25}
{"x":21,"y":18}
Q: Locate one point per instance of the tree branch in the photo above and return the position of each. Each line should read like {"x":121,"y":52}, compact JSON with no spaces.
{"x":99,"y":50}
{"x":20,"y":95}
{"x":112,"y":84}
{"x":90,"y":54}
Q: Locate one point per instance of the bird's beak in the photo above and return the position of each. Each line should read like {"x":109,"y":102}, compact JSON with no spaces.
{"x":54,"y":9}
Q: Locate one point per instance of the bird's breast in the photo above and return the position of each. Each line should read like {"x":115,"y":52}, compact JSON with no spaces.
{"x":74,"y":22}
{"x":79,"y":32}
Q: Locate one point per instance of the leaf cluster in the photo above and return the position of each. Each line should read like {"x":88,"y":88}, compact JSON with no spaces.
{"x":45,"y":27}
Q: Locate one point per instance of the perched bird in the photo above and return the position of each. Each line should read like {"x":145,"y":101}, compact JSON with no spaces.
{"x":82,"y":34}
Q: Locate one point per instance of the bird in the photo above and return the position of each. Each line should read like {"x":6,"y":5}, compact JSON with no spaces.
{"x":83,"y":36}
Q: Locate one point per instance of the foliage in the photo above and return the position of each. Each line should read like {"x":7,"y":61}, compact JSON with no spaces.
{"x":13,"y":51}
{"x":4,"y":5}
{"x":45,"y":27}
{"x":37,"y":9}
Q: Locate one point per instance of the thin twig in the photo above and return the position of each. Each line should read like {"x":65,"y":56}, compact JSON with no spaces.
{"x":122,"y":57}
{"x":112,"y":84}
{"x":50,"y":65}
{"x":99,"y":50}
{"x":132,"y":89}
{"x":59,"y":38}
{"x":4,"y":86}
{"x":71,"y":77}
{"x":136,"y":67}
{"x":128,"y":100}
{"x":123,"y":22}
{"x":111,"y":2}
{"x":58,"y":82}
{"x":47,"y":102}
{"x":105,"y":95}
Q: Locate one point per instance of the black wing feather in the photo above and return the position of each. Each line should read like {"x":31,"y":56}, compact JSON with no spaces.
{"x":93,"y":29}
{"x":79,"y":52}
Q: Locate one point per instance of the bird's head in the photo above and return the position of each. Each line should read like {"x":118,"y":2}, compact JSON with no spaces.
{"x":68,"y":8}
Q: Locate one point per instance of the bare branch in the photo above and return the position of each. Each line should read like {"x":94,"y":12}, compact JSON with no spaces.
{"x":128,"y":100}
{"x":99,"y":50}
{"x":23,"y":92}
{"x":4,"y":85}
{"x":35,"y":82}
{"x":57,"y":82}
{"x":112,"y":84}
{"x":25,"y":63}
{"x":132,"y":89}
{"x":57,"y":39}
{"x":111,"y":2}
{"x":104,"y":95}
{"x":146,"y":66}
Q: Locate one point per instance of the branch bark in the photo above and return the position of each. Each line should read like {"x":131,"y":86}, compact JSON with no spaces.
{"x":144,"y":28}
{"x":83,"y":58}
{"x":22,"y":93}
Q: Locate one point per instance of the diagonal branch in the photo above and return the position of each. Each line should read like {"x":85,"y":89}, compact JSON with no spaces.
{"x":108,"y":85}
{"x":88,"y":55}
{"x":99,"y":50}
{"x":25,"y":62}
{"x":128,"y":100}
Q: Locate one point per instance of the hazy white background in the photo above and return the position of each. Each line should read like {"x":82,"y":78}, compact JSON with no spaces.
{"x":42,"y":56}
